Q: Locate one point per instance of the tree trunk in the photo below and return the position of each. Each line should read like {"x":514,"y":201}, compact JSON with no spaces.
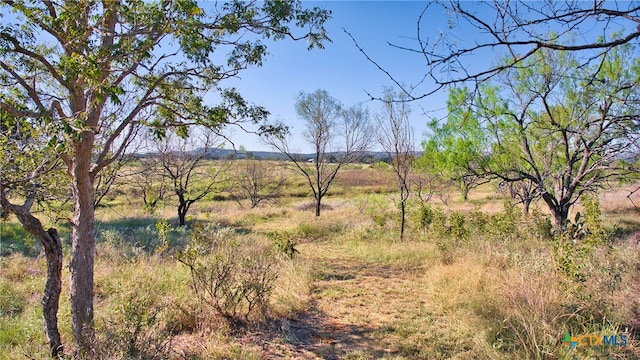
{"x":52,"y":290}
{"x":318,"y":205}
{"x":403,"y":206}
{"x":526,"y":204}
{"x":182,"y":211}
{"x":82,"y":252}
{"x":53,"y":250}
{"x":560,"y":216}
{"x":464,"y":189}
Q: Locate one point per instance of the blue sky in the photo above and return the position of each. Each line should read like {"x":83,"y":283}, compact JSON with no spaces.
{"x":340,"y":68}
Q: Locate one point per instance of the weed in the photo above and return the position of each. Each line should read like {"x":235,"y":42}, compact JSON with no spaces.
{"x":163,"y":228}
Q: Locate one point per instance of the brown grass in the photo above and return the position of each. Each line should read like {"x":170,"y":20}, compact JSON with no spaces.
{"x":354,"y":291}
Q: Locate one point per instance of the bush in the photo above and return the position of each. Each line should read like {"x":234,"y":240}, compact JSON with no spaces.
{"x":432,"y":220}
{"x":232,"y":280}
{"x":457,"y":227}
{"x":503,"y":226}
{"x":135,"y":331}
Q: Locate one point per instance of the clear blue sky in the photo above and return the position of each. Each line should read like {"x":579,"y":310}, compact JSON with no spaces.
{"x":340,"y":68}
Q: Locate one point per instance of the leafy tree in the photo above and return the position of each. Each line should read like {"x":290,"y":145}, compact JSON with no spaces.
{"x":457,"y":147}
{"x":88,"y":73}
{"x":554,"y":125}
{"x":330,"y":130}
{"x":395,"y":135}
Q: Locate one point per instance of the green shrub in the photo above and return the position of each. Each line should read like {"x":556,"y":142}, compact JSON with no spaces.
{"x":541,"y":224}
{"x":478,"y":221}
{"x":431,"y":220}
{"x":503,"y":226}
{"x":163,"y":228}
{"x":457,"y":227}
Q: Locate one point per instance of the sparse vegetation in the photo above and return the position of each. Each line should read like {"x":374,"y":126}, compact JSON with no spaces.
{"x":273,"y":281}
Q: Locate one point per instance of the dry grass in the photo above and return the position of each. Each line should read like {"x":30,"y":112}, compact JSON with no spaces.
{"x":353,"y":291}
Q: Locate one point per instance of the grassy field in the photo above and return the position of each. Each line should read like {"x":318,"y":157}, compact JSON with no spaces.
{"x":473,"y":280}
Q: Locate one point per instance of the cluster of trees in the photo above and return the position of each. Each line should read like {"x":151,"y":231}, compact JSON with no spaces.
{"x":549,"y":129}
{"x":81,"y":80}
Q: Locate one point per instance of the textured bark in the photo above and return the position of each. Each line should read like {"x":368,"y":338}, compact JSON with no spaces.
{"x":82,"y":249}
{"x":52,"y":290}
{"x":53,"y":287}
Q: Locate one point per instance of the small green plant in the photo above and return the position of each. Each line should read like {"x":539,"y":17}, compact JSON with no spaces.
{"x":163,"y":228}
{"x":503,"y":226}
{"x":541,"y":224}
{"x":431,"y":220}
{"x":570,"y":257}
{"x":457,"y":227}
{"x":377,"y":210}
{"x":283,"y":243}
{"x":424,"y":216}
{"x":478,"y":221}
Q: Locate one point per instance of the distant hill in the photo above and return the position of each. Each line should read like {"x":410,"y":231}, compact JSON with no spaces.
{"x":368,"y":157}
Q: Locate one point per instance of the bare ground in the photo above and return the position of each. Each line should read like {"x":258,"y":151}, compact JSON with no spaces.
{"x":351,"y":314}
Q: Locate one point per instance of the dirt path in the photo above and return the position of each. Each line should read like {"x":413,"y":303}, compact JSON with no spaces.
{"x":352,"y":313}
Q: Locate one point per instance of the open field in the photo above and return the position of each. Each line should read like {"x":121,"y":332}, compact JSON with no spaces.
{"x":473,"y":280}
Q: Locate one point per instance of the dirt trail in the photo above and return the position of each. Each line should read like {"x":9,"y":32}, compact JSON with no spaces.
{"x":352,"y":309}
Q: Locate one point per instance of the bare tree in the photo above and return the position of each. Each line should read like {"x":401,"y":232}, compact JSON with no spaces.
{"x":149,"y":179}
{"x":395,"y":135}
{"x":344,"y":134}
{"x":258,"y":181}
{"x":515,"y":30}
{"x":182,"y":160}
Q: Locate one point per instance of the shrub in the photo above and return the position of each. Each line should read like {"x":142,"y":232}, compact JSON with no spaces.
{"x":432,"y":220}
{"x":163,"y":228}
{"x":457,"y":227}
{"x":479,"y":221}
{"x":541,"y":224}
{"x":232,"y":280}
{"x":135,"y":331}
{"x":503,"y":226}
